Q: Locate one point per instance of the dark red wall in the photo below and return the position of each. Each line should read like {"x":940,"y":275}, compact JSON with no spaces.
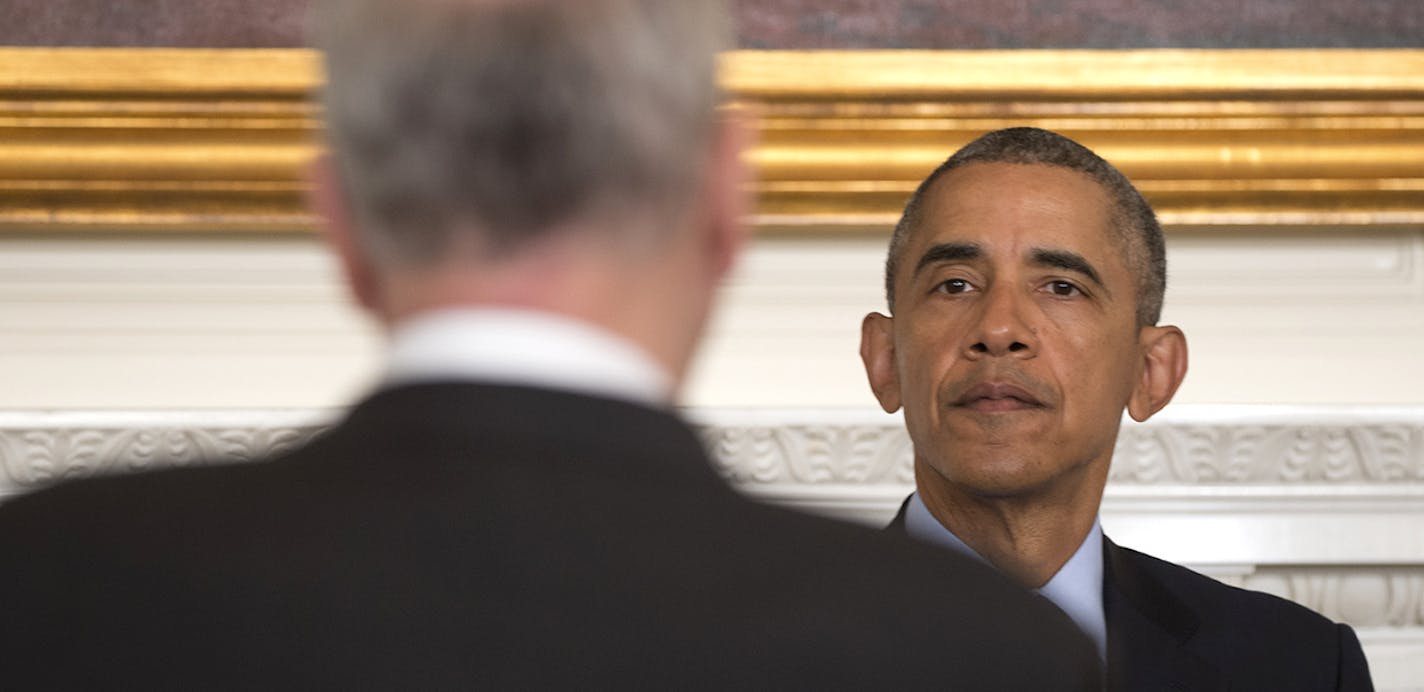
{"x":176,"y":23}
{"x":775,"y":24}
{"x":948,"y":24}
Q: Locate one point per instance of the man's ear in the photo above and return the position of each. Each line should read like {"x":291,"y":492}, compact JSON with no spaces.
{"x":1164,"y":367}
{"x":329,"y":202}
{"x":728,"y":187}
{"x":877,"y":351}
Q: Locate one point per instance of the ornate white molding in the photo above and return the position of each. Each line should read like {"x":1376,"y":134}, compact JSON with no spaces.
{"x":1225,"y":488}
{"x":1229,"y":449}
{"x":40,"y":448}
{"x":808,"y":453}
{"x":1273,"y":453}
{"x":1200,"y":445}
{"x":1362,"y":596}
{"x":1221,"y":487}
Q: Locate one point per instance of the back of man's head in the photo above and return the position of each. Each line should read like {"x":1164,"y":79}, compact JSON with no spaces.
{"x":477,"y":127}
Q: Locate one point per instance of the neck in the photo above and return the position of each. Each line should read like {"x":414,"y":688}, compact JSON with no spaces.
{"x":656,"y":305}
{"x":1028,"y":537}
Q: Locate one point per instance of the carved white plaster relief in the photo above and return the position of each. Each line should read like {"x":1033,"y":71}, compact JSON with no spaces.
{"x":1362,"y":596}
{"x":39,"y":449}
{"x":800,"y":448}
{"x":1263,"y":454}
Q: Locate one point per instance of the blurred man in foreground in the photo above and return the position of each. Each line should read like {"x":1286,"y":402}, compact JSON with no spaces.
{"x":1025,"y":282}
{"x":537,"y":200}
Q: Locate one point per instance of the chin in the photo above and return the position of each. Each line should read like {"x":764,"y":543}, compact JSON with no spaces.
{"x":1002,"y":490}
{"x":1000,"y":479}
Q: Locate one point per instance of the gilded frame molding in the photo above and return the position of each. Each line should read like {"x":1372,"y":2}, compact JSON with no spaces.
{"x":181,"y":140}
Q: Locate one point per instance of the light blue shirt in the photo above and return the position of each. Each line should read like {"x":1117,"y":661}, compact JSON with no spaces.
{"x":1077,"y":588}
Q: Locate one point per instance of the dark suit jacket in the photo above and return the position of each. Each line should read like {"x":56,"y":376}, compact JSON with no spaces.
{"x":1170,"y":628}
{"x":461,"y":536}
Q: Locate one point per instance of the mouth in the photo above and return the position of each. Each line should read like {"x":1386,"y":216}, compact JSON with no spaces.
{"x":997,"y":397}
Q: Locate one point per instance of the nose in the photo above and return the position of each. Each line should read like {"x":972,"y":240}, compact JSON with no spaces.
{"x":1002,"y":326}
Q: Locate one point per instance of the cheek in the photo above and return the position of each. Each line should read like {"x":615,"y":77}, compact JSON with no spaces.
{"x":1102,"y":371}
{"x":922,"y":366}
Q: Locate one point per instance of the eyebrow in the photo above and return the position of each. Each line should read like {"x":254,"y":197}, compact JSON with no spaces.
{"x":1067,"y":261}
{"x":949,"y":252}
{"x":1058,"y":259}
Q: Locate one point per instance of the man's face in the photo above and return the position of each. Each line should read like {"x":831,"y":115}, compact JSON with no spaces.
{"x":1014,"y":344}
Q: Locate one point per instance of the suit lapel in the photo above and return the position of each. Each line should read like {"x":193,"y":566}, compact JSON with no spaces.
{"x":1148,"y":629}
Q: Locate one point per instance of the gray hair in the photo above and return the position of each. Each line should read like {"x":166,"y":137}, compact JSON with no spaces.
{"x":490,"y":123}
{"x":1132,"y":216}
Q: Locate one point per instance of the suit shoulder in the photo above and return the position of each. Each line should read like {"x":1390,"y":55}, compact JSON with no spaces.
{"x":1257,"y":640}
{"x":1213,"y":598}
{"x":108,"y":503}
{"x":896,"y":599}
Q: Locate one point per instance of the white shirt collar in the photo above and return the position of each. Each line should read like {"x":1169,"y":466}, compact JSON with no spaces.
{"x":1077,"y":588}
{"x":524,"y":347}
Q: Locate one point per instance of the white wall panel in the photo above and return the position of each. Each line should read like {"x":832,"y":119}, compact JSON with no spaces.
{"x":1312,"y":317}
{"x":127,"y":322}
{"x":1307,"y":317}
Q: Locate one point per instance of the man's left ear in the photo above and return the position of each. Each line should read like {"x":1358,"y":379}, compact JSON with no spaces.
{"x":1164,"y":353}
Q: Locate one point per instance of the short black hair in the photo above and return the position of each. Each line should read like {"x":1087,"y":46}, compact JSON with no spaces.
{"x":1132,"y":216}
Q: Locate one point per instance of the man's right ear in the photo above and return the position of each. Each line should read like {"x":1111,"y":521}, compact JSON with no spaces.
{"x":877,"y":352}
{"x":329,"y":202}
{"x":729,"y":187}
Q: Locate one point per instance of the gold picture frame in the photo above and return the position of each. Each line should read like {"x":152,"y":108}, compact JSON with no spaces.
{"x":203,"y":141}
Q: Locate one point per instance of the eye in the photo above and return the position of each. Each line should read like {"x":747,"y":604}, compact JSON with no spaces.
{"x":1063,"y":288}
{"x":954,"y":286}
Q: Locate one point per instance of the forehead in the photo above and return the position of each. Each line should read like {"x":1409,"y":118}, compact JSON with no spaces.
{"x":1011,"y":209}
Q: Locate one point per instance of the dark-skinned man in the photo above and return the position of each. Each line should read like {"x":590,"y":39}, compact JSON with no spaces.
{"x":1025,"y":283}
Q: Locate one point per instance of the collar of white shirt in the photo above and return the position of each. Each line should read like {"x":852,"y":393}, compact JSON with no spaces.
{"x":1077,"y":588}
{"x":524,"y":347}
